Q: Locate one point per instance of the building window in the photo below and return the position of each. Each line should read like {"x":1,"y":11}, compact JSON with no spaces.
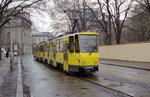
{"x":8,"y":37}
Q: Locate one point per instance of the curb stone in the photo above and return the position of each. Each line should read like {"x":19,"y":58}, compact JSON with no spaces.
{"x":19,"y":92}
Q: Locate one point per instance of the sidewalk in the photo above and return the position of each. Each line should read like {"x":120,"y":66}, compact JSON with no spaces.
{"x":138,"y":65}
{"x":9,"y":79}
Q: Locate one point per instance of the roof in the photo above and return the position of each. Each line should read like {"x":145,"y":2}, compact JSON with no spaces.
{"x":68,"y":35}
{"x":73,"y":35}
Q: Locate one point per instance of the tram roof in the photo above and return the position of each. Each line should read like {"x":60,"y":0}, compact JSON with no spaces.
{"x":69,"y":35}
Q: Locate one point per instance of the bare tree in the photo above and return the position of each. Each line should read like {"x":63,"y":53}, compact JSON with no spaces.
{"x":144,"y":4}
{"x":138,"y":29}
{"x":78,"y":19}
{"x":7,"y":9}
{"x":74,"y":14}
{"x":104,"y":24}
{"x":117,"y":25}
{"x":110,"y":21}
{"x":115,"y":10}
{"x":12,"y":8}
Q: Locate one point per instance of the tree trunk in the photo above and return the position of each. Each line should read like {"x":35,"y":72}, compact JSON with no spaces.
{"x":108,"y":39}
{"x":0,"y":43}
{"x":118,"y":36}
{"x":109,"y":30}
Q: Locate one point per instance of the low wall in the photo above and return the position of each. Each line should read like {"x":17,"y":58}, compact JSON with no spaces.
{"x":130,"y":52}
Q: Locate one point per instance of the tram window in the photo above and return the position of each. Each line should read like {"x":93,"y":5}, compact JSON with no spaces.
{"x":57,"y":46}
{"x":61,"y":45}
{"x":48,"y":49}
{"x":44,"y":48}
{"x":41,"y":48}
{"x":51,"y":44}
{"x":52,"y":47}
{"x":71,"y":44}
{"x":37,"y":49}
{"x":77,"y":50}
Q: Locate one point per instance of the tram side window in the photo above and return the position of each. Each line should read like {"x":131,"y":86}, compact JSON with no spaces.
{"x":37,"y":49}
{"x":41,"y":49}
{"x":61,"y":45}
{"x":71,"y":44}
{"x":77,"y":50}
{"x":52,"y":47}
{"x":57,"y":46}
{"x":48,"y":49}
{"x":45,"y":49}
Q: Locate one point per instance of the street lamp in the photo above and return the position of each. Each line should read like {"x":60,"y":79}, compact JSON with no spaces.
{"x":11,"y":54}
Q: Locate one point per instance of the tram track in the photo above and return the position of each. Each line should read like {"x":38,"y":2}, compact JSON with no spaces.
{"x":126,"y":66}
{"x":135,"y":77}
{"x":114,"y":92}
{"x":90,"y":81}
{"x":98,"y":83}
{"x":120,"y":93}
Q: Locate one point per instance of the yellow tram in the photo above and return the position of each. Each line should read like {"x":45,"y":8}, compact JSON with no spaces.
{"x":76,"y":52}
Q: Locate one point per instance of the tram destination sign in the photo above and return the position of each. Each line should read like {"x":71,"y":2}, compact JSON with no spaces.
{"x":88,"y":36}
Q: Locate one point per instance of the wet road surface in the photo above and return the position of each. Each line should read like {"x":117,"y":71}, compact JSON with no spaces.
{"x":135,"y":82}
{"x":130,"y":73}
{"x":44,"y":81}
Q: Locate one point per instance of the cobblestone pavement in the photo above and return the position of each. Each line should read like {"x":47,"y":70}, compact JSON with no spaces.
{"x":124,"y":80}
{"x":139,"y":65}
{"x":8,"y":79}
{"x":135,"y":82}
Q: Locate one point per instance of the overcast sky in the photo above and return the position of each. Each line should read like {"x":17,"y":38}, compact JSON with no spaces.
{"x":42,"y":21}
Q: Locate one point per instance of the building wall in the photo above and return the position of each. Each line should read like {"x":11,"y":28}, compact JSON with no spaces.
{"x":26,"y":37}
{"x":41,"y":37}
{"x":131,"y":52}
{"x":6,"y":33}
{"x":21,"y":29}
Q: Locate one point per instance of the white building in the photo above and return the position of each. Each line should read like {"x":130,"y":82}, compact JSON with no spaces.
{"x":41,"y":37}
{"x":21,"y":34}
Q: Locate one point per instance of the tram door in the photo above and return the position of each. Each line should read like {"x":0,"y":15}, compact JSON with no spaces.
{"x":65,"y":57}
{"x":54,"y":54}
{"x":48,"y":51}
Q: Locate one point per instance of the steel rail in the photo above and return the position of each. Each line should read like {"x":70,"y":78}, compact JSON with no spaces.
{"x":106,"y":87}
{"x":125,"y":66}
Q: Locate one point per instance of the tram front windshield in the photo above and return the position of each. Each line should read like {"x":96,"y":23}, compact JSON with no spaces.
{"x":88,"y":43}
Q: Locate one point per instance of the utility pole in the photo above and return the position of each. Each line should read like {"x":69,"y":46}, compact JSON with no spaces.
{"x":11,"y":56}
{"x":19,"y":46}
